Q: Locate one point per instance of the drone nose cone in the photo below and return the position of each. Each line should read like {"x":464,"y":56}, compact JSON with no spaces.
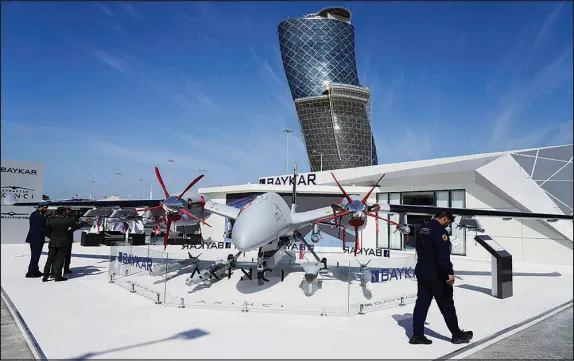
{"x":253,"y":228}
{"x":241,"y":241}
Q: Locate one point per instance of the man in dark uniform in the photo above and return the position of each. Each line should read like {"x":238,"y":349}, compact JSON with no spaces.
{"x":435,"y":278}
{"x":36,"y":238}
{"x":68,"y":257}
{"x":57,"y":229}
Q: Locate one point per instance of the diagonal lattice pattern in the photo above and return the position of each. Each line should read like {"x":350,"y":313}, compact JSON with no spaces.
{"x":334,"y":111}
{"x":315,"y":52}
{"x":551,"y":168}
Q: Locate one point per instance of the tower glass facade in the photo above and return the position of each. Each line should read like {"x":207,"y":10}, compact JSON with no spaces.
{"x":318,"y":53}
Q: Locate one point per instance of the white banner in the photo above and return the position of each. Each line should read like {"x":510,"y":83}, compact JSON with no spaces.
{"x":25,"y":182}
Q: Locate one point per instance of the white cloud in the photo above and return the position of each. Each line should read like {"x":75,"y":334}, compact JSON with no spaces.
{"x":106,"y":10}
{"x":132,"y":11}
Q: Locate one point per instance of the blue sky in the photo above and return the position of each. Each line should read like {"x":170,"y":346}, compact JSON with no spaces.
{"x":92,"y":89}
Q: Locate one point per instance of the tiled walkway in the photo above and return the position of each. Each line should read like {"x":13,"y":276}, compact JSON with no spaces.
{"x":13,"y":344}
{"x":548,"y":339}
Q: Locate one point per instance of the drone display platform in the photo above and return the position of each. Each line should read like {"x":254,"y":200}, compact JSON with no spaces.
{"x":126,"y":325}
{"x":346,"y":286}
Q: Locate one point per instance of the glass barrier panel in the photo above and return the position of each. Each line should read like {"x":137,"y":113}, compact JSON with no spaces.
{"x":225,"y":279}
{"x":382,"y":282}
{"x":214,"y":284}
{"x":130,"y":268}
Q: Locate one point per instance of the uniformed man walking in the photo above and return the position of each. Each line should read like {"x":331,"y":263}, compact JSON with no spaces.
{"x":36,"y":238}
{"x":68,"y":257}
{"x":57,"y":229}
{"x":435,"y":277}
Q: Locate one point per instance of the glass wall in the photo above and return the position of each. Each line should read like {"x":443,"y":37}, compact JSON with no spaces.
{"x":388,"y":238}
{"x":458,"y":239}
{"x":395,"y":238}
{"x":382,"y":226}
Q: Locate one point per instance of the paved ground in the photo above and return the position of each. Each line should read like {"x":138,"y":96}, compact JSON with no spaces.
{"x":549,"y":339}
{"x":13,"y":344}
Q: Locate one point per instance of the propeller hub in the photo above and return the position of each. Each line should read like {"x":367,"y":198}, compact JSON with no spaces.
{"x":357,"y":213}
{"x":172,"y":204}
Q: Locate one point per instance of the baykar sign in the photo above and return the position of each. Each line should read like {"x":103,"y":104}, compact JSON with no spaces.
{"x":24,"y":181}
{"x":303,"y":179}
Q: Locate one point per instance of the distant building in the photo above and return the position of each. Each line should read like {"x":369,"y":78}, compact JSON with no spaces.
{"x":334,"y":111}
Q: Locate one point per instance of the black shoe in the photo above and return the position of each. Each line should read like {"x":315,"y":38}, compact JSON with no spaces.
{"x":60,"y":279}
{"x":420,"y":340}
{"x":464,"y":337}
{"x":39,"y":274}
{"x":45,"y":279}
{"x":33,"y":275}
{"x":68,"y":271}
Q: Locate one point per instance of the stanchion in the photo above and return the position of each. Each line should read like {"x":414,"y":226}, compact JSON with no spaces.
{"x":181,"y":303}
{"x":244,"y":309}
{"x":112,"y":278}
{"x":361,"y":306}
{"x":133,"y":290}
{"x":158,"y":302}
{"x":402,"y":301}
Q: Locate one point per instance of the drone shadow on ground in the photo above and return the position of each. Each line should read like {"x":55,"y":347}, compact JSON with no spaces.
{"x":180,"y":272}
{"x":185,"y":335}
{"x":338,"y":273}
{"x":406,"y":321}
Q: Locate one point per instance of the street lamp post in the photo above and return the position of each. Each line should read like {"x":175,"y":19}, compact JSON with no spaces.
{"x":170,"y":171}
{"x":321,"y":154}
{"x":287,"y":132}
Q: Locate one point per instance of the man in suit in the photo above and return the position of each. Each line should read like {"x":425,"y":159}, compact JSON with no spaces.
{"x":68,"y":257}
{"x":57,"y":229}
{"x":36,"y":238}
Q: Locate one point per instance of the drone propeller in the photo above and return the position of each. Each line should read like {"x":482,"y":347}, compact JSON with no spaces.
{"x":363,"y":202}
{"x":170,"y":218}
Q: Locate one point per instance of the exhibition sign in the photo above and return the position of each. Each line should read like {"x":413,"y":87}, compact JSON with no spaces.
{"x":25,"y":182}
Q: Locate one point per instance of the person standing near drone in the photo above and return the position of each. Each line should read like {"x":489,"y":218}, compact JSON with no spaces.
{"x":435,"y":278}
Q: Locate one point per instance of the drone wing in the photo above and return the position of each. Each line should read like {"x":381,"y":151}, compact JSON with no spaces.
{"x":134,"y":203}
{"x":221,"y":209}
{"x":305,"y":218}
{"x":429,"y":210}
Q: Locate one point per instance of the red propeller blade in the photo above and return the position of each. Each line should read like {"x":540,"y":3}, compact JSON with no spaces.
{"x":371,"y":191}
{"x":183,"y":210}
{"x":161,"y":182}
{"x":189,"y":186}
{"x":166,"y":233}
{"x":356,"y":239}
{"x":341,"y":188}
{"x":383,"y":219}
